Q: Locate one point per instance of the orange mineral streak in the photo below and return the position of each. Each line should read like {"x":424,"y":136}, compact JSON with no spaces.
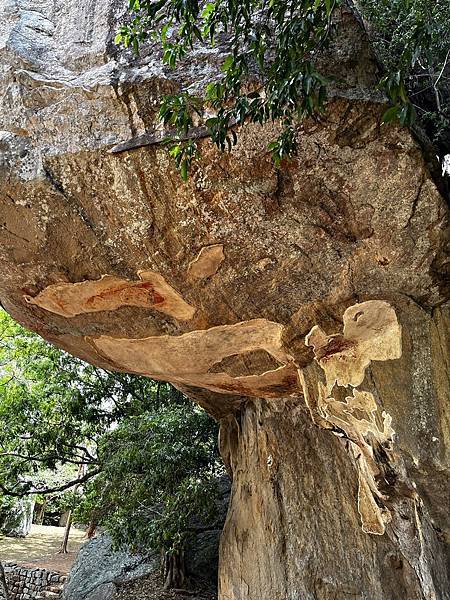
{"x":110,"y":292}
{"x":188,"y":359}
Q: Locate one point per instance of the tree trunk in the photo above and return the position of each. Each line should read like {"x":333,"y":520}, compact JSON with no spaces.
{"x":174,"y":570}
{"x":294,"y":530}
{"x":92,"y":528}
{"x":63,"y":549}
{"x":3,"y":585}
{"x":64,"y":544}
{"x":40,"y":513}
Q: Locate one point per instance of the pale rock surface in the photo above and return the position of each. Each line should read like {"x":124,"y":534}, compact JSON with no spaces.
{"x":98,"y":568}
{"x":17,"y":520}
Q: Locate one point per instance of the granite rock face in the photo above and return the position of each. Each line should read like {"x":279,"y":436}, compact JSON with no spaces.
{"x":98,"y":568}
{"x":215,"y":284}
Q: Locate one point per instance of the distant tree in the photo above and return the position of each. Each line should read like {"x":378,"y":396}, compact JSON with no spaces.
{"x":53,"y":409}
{"x":145,"y":457}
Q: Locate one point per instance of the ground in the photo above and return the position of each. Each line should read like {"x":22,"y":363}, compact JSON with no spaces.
{"x":40,"y":548}
{"x":149,"y":588}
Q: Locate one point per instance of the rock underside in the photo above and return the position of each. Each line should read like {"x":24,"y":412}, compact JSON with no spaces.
{"x":306,"y":308}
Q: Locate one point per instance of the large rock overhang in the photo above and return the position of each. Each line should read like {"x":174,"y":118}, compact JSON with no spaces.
{"x":214,"y":284}
{"x":355,"y":216}
{"x":236,"y":265}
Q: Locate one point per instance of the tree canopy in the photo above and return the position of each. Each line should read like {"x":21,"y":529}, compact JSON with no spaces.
{"x":161,"y":468}
{"x":146,"y":457}
{"x":54,"y":408}
{"x":270,"y":70}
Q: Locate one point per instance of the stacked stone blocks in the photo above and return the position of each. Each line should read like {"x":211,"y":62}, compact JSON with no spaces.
{"x":32,"y":584}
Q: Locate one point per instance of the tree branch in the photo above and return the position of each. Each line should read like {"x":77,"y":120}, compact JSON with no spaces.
{"x":75,"y":460}
{"x":53,"y":490}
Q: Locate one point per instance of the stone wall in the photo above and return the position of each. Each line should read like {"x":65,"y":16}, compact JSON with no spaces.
{"x":29,"y":584}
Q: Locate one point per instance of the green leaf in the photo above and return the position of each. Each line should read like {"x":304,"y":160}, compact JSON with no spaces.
{"x":211,"y":122}
{"x":175,"y":151}
{"x":391,"y":114}
{"x":184,"y":170}
{"x":227,"y":63}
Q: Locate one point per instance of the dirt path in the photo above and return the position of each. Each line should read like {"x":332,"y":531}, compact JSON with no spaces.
{"x":150,"y":588}
{"x":40,"y":548}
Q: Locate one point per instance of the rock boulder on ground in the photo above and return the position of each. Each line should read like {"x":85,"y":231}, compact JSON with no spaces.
{"x":98,"y":568}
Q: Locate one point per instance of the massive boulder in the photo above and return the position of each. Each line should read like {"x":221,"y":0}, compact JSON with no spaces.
{"x":98,"y":569}
{"x":306,"y":307}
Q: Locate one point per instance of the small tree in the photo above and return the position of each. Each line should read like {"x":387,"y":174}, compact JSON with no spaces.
{"x":159,"y":472}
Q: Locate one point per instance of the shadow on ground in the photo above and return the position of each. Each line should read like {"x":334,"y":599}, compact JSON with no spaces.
{"x":40,"y":548}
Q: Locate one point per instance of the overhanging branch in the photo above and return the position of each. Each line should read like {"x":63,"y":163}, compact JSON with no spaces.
{"x":54,"y":490}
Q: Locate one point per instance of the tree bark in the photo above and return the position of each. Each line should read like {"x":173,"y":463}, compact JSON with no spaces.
{"x":92,"y":528}
{"x":40,"y":513}
{"x":64,"y":544}
{"x":174,"y":570}
{"x":3,"y":583}
{"x":293,"y":530}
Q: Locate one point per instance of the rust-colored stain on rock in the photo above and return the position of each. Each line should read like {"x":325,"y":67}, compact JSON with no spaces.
{"x":110,"y":292}
{"x":188,"y":359}
{"x":371,"y":332}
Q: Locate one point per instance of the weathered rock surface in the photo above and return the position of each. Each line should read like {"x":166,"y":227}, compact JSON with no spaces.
{"x":356,"y":217}
{"x":98,"y":568}
{"x":16,"y":521}
{"x":302,"y":504}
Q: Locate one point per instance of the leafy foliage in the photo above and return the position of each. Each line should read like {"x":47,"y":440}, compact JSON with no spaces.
{"x":159,"y":469}
{"x":412,"y":40}
{"x":269,"y":72}
{"x":54,"y":407}
{"x":150,"y":455}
